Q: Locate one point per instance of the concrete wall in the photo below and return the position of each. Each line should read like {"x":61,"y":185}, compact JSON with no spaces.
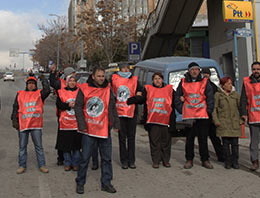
{"x":222,"y":43}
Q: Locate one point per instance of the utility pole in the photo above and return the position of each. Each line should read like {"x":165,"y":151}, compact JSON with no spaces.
{"x":83,"y":3}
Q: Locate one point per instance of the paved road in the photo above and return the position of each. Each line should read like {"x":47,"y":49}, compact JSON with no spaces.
{"x":144,"y":182}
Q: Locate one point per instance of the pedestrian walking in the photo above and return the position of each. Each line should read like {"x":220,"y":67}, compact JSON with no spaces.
{"x":195,"y":101}
{"x":57,"y":82}
{"x":27,"y":118}
{"x":250,"y":111}
{"x":68,"y":140}
{"x":96,"y":114}
{"x":226,"y":117}
{"x":125,"y":85}
{"x":159,"y":116}
{"x":216,"y":141}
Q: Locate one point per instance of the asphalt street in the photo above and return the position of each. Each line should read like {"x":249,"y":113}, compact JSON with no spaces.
{"x":143,"y":182}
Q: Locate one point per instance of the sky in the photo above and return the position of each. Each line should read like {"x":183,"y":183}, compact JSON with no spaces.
{"x":18,"y":26}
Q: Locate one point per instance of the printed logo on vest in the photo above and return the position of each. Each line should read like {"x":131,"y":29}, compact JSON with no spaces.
{"x":123,"y":93}
{"x":71,"y":111}
{"x":95,"y":107}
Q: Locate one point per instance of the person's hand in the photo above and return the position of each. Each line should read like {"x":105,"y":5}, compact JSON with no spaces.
{"x":139,"y":93}
{"x":72,"y":104}
{"x":116,"y":130}
{"x":53,"y":67}
{"x":15,"y":124}
{"x":244,"y":118}
{"x":182,"y":99}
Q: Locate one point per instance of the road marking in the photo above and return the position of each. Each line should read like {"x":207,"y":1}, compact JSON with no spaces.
{"x":44,"y":187}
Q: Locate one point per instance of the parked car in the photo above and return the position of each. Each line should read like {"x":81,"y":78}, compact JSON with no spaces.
{"x":173,"y":70}
{"x":9,"y":76}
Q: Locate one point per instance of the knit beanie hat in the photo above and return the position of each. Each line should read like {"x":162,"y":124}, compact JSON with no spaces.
{"x":68,"y":71}
{"x":193,"y":65}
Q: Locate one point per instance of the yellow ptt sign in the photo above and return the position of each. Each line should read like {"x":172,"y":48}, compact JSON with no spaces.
{"x":237,"y":11}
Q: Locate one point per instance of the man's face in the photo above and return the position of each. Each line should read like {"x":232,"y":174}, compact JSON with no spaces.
{"x":31,"y":85}
{"x":256,"y":71}
{"x":99,"y":77}
{"x":194,"y":72}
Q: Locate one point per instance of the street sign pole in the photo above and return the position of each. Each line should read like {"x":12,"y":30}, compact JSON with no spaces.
{"x":236,"y":62}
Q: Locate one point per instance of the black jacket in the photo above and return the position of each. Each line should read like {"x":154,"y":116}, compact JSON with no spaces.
{"x":208,"y":93}
{"x":243,"y":98}
{"x":142,"y":100}
{"x":79,"y":105}
{"x":44,"y":94}
{"x":54,"y":81}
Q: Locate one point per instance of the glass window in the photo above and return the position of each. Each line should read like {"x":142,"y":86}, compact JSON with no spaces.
{"x":149,"y":77}
{"x":176,"y":76}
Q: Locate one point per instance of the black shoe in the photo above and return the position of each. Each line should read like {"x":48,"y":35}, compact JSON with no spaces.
{"x":221,"y":159}
{"x":108,"y":188}
{"x":235,"y":166}
{"x":94,"y":167}
{"x":124,"y":166}
{"x":80,"y":189}
{"x":227,"y":166}
{"x":59,"y":163}
{"x":132,"y":166}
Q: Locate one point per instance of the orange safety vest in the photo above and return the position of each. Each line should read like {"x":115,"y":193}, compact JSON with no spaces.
{"x":30,"y":110}
{"x":62,"y":83}
{"x":67,"y":120}
{"x":96,"y":110}
{"x":124,"y":88}
{"x":195,"y":106}
{"x":253,"y":100}
{"x":159,"y":101}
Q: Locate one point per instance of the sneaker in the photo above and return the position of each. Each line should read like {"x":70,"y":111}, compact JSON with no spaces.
{"x":207,"y":164}
{"x":80,"y":189}
{"x":235,"y":166}
{"x":108,"y":188}
{"x":44,"y":169}
{"x":188,"y":164}
{"x":20,"y":170}
{"x":124,"y":166}
{"x":132,"y":166}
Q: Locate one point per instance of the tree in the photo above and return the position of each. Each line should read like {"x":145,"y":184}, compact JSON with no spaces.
{"x":106,"y":31}
{"x":56,"y":33}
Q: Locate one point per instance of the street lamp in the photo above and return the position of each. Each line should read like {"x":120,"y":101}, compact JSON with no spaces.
{"x":81,"y":27}
{"x":58,"y":45}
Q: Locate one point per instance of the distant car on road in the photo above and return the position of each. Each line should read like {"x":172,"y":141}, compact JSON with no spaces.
{"x":9,"y":76}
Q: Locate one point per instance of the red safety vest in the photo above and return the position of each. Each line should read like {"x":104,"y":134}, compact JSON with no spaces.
{"x":195,"y":106}
{"x":96,"y":110}
{"x":124,"y":88}
{"x":62,"y":83}
{"x":30,"y":110}
{"x":67,"y":120}
{"x":253,"y":100}
{"x":159,"y":101}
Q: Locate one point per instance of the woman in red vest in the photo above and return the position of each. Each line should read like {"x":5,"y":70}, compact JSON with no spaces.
{"x":158,"y":100}
{"x":68,"y":140}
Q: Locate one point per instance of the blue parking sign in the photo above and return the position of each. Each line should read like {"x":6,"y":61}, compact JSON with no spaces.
{"x":134,"y":51}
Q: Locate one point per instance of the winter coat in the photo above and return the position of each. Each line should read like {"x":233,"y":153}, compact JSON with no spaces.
{"x":226,"y":114}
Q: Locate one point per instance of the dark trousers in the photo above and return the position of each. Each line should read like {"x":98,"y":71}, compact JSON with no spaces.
{"x":200,"y":128}
{"x":127,"y":140}
{"x":216,"y":142}
{"x":95,"y":155}
{"x":105,"y":147}
{"x":160,"y":143}
{"x":230,"y":148}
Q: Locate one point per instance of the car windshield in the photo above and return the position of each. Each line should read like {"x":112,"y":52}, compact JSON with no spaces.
{"x":9,"y":73}
{"x":176,"y":76}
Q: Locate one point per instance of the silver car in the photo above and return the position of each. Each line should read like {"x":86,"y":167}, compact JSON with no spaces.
{"x":9,"y":76}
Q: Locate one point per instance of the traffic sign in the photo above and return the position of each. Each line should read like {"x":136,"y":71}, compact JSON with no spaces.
{"x":134,"y":51}
{"x":243,"y":32}
{"x":237,"y":11}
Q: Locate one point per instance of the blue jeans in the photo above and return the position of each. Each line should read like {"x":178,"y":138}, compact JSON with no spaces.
{"x":36,"y":135}
{"x":71,"y":158}
{"x":105,"y":148}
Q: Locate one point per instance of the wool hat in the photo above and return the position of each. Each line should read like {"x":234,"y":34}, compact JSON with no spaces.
{"x":68,"y":71}
{"x":206,"y":71}
{"x":193,"y":65}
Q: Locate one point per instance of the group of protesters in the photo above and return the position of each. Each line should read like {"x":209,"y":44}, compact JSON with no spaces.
{"x":86,"y":114}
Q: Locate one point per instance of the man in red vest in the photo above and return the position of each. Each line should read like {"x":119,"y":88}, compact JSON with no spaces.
{"x":195,"y":101}
{"x":250,"y":110}
{"x":27,"y":118}
{"x":96,"y":114}
{"x":125,"y":85}
{"x":58,"y":83}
